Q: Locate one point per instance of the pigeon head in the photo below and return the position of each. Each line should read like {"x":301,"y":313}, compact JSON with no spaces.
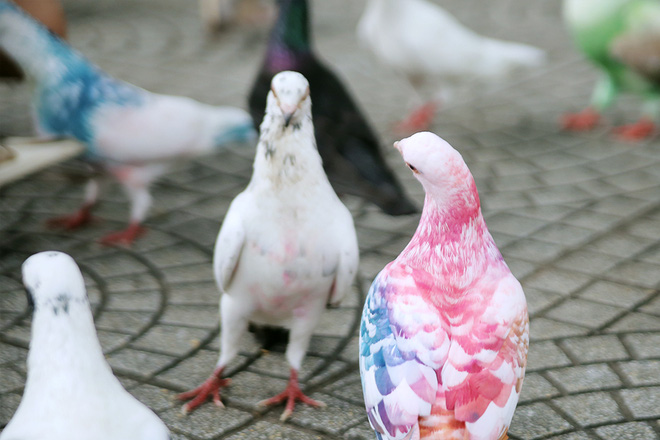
{"x":288,"y":99}
{"x":439,"y":168}
{"x":53,"y":278}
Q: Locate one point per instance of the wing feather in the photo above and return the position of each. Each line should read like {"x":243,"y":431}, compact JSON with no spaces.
{"x":228,"y":245}
{"x":399,"y":376}
{"x":349,"y":256}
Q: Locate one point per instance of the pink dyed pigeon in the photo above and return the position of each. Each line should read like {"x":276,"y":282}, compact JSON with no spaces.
{"x":445,"y":330}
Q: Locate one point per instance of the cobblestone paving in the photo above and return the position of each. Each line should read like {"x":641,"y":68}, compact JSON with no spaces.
{"x":576,"y":217}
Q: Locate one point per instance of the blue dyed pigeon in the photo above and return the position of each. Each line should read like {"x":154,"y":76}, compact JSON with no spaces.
{"x":445,"y":330}
{"x":128,"y":132}
{"x":621,"y":38}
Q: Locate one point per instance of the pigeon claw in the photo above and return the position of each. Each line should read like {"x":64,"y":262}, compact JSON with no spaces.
{"x":210,"y":388}
{"x":584,"y":121}
{"x":124,"y":238}
{"x":73,"y":221}
{"x":419,"y":120}
{"x":291,"y":394}
{"x":638,"y":131}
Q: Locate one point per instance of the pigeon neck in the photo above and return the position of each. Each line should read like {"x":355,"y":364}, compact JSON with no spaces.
{"x":39,"y":52}
{"x":287,"y":155}
{"x":289,"y":41}
{"x":452,"y":243}
{"x":64,"y":347}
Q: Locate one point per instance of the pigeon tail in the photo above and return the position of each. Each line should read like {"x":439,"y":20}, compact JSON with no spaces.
{"x":226,"y":126}
{"x":41,"y":54}
{"x":504,"y":58}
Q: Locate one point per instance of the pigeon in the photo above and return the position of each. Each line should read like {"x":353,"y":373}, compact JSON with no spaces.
{"x":71,"y":393}
{"x":424,"y":42}
{"x":129,"y":133}
{"x":287,"y":246}
{"x":622,"y":38}
{"x":445,"y":330}
{"x":348,"y":145}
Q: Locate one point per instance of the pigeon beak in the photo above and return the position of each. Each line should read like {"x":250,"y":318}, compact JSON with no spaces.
{"x":287,"y":112}
{"x":398,"y":148}
{"x":287,"y":118}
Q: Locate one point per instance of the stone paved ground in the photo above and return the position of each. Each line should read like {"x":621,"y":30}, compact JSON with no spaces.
{"x":576,"y":217}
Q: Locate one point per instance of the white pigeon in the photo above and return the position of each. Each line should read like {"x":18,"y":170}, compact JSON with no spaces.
{"x":427,"y":44}
{"x":71,"y":393}
{"x":287,"y":246}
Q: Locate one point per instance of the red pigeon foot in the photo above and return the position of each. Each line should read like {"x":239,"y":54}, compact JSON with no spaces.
{"x":210,"y":388}
{"x":291,"y":394}
{"x":638,"y":131}
{"x":583,"y":121}
{"x":124,"y":238}
{"x":419,"y":120}
{"x":73,"y":221}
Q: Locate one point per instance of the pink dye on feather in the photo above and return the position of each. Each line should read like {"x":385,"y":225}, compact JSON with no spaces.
{"x":478,"y":331}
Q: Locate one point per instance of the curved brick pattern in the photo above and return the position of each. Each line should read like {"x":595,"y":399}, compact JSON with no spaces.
{"x":577,"y":217}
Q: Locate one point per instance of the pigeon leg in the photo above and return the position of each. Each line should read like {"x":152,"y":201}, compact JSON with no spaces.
{"x":81,"y":217}
{"x":419,"y":120}
{"x":638,"y":131}
{"x":291,"y":394}
{"x":234,"y":324}
{"x":582,"y":121}
{"x":136,"y":184}
{"x":210,"y":388}
{"x":299,"y":337}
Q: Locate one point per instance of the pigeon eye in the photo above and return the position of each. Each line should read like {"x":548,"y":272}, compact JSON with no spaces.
{"x":412,"y":168}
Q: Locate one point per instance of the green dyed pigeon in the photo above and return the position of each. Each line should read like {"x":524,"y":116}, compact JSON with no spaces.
{"x":622,"y":37}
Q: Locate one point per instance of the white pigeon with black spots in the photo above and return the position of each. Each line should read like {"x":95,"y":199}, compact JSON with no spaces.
{"x":71,"y":393}
{"x":287,"y":246}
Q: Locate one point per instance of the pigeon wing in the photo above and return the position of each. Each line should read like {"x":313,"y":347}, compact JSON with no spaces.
{"x":485,"y":367}
{"x":229,"y":245}
{"x":402,"y":348}
{"x":349,"y":256}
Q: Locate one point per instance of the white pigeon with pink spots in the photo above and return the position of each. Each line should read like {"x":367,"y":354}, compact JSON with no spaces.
{"x":445,"y":330}
{"x":287,"y":246}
